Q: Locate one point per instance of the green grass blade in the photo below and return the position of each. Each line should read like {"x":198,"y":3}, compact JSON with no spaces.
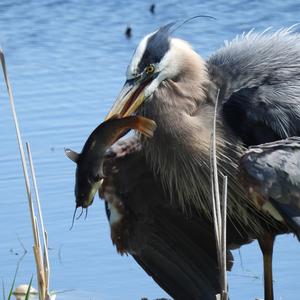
{"x":13,"y":283}
{"x":28,"y":290}
{"x":3,"y":289}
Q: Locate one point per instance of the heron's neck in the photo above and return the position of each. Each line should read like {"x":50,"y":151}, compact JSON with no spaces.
{"x":179,"y":152}
{"x":179,"y":155}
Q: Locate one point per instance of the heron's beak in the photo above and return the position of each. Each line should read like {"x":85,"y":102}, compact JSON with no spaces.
{"x":130,"y":98}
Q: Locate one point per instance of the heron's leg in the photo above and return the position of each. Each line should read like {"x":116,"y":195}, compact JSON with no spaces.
{"x":266,"y":243}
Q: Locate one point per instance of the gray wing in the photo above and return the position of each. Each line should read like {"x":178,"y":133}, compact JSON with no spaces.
{"x":271,"y":173}
{"x":177,"y":250}
{"x":259,"y":80}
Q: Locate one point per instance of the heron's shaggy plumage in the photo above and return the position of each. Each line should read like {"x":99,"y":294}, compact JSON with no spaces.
{"x":258,"y":76}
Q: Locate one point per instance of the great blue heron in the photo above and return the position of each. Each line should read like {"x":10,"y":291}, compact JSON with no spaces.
{"x":257,"y":79}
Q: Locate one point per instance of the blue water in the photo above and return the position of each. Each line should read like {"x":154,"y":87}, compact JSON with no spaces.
{"x":66,"y":61}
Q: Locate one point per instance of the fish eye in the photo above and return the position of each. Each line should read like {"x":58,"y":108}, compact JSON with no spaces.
{"x":150,"y":69}
{"x":97,"y":178}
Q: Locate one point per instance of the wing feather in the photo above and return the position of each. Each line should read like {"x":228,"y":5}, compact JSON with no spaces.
{"x":259,"y":78}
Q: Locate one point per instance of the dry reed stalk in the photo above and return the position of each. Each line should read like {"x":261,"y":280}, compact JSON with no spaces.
{"x":219,"y":210}
{"x":42,"y":261}
{"x":224,"y":246}
{"x":46,"y":265}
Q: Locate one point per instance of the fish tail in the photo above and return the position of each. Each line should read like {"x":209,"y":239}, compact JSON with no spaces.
{"x":144,"y":126}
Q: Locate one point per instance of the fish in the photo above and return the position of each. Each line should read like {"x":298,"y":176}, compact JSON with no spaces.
{"x":89,"y":171}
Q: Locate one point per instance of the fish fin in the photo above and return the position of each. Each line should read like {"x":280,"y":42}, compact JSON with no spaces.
{"x":74,"y":156}
{"x":145,"y":126}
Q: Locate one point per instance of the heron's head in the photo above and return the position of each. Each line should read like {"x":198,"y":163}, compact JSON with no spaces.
{"x":158,"y":57}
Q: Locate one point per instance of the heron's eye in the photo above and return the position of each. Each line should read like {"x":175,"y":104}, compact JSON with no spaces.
{"x":150,"y":69}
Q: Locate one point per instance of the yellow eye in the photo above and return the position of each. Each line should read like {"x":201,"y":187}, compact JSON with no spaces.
{"x":150,"y":69}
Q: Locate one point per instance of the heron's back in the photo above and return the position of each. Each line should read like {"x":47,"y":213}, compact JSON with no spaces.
{"x":259,"y":78}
